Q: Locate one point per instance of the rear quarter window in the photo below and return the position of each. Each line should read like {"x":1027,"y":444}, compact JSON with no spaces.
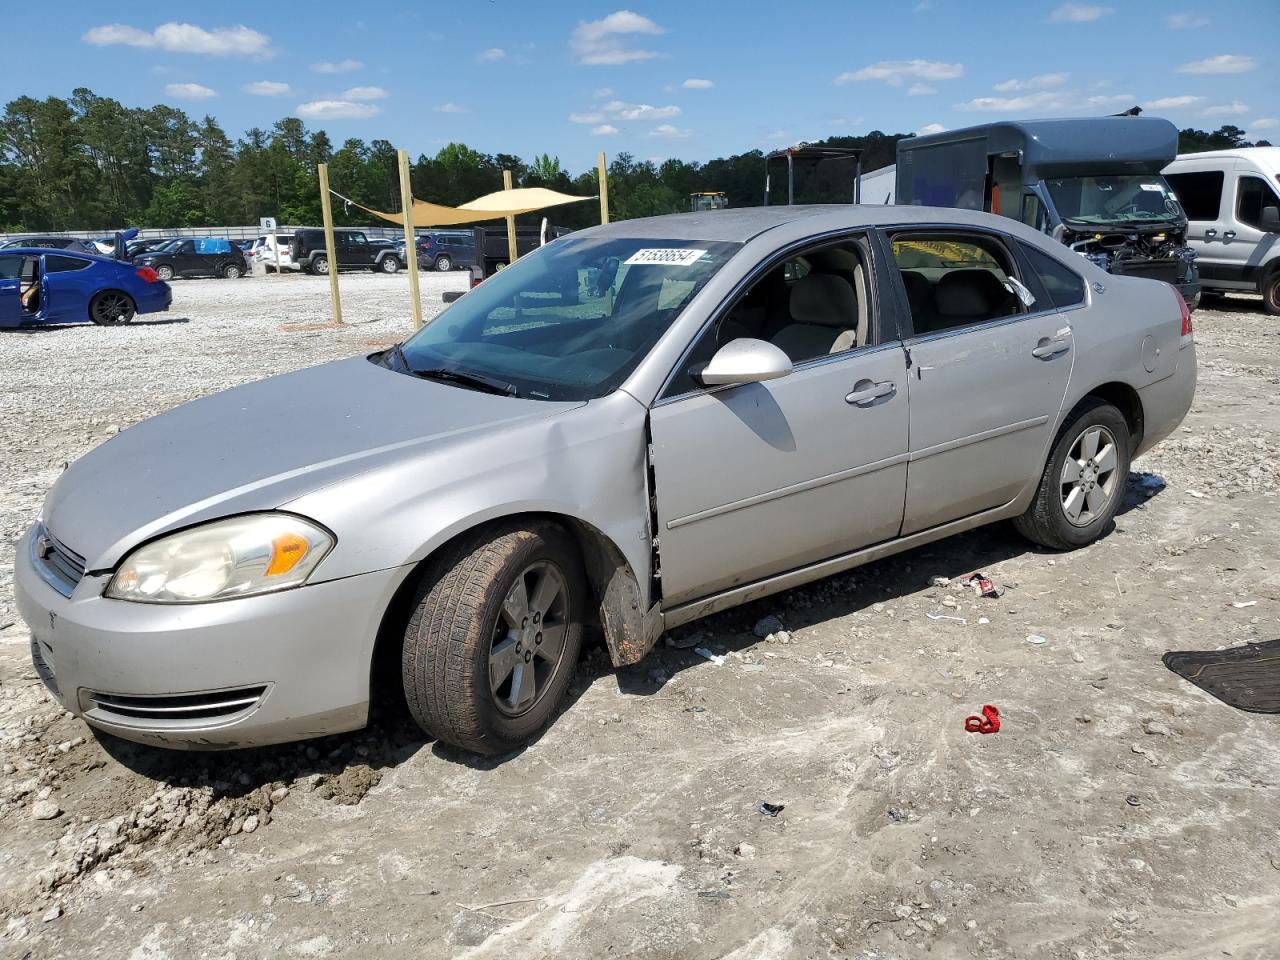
{"x":1064,"y":286}
{"x":57,"y":263}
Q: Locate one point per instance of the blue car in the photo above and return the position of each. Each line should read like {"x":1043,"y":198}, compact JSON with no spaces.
{"x":41,"y":286}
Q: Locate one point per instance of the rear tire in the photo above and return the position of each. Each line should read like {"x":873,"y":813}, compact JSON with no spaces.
{"x":443,"y":263}
{"x":232,"y":272}
{"x":389,"y":265}
{"x":1084,"y":480}
{"x":112,"y":307}
{"x":320,"y":266}
{"x":493,"y":641}
{"x":164,"y":272}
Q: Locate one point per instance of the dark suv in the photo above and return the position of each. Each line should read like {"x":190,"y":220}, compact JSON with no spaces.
{"x":353,"y":249}
{"x":447,"y":249}
{"x":196,"y":257}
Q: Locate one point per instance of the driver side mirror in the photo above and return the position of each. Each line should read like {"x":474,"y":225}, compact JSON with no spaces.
{"x":1271,"y":219}
{"x":745,"y":360}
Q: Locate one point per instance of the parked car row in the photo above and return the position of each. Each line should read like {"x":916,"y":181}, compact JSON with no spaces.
{"x":304,"y":250}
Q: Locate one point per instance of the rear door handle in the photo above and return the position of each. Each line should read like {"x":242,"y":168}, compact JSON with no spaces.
{"x":1210,"y":233}
{"x":1229,"y":235}
{"x":866,"y":393}
{"x":1048,"y":348}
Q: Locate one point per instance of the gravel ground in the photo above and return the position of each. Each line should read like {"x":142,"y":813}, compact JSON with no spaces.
{"x":1119,"y":812}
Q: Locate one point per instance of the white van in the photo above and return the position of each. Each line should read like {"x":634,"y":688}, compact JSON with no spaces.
{"x":1232,"y":201}
{"x":264,"y":251}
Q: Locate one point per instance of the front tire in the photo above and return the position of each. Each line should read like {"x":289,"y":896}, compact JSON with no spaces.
{"x":1270,"y":291}
{"x":443,"y":263}
{"x":1083,"y":482}
{"x":164,"y":272}
{"x":493,"y":641}
{"x":112,"y":307}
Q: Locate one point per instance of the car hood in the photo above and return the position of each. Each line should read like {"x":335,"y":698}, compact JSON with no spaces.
{"x":259,"y":446}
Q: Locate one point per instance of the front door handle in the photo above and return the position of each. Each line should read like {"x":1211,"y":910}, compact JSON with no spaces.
{"x":866,"y":392}
{"x":1048,"y":348}
{"x":1210,"y":233}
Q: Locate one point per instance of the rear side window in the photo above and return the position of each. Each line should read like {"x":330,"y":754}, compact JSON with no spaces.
{"x":1199,"y":193}
{"x":954,"y":280}
{"x":1064,"y":286}
{"x":57,"y":263}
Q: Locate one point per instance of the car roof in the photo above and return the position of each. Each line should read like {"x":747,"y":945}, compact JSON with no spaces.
{"x":744,"y":223}
{"x":61,"y":252}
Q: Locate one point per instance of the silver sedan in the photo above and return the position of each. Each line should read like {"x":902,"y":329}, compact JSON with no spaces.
{"x":636,"y":426}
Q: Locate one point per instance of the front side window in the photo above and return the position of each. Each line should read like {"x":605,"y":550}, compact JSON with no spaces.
{"x":1252,"y":195}
{"x":1064,"y":286}
{"x":10,"y":266}
{"x":954,"y":280}
{"x":1096,"y":201}
{"x":1200,"y":193}
{"x":569,"y":321}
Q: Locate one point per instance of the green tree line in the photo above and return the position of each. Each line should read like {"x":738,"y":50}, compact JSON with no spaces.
{"x":91,"y":164}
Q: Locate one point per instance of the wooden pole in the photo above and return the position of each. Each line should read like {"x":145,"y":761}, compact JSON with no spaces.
{"x":604,"y":191}
{"x":410,"y":241}
{"x":512,"y":251}
{"x":329,"y":246}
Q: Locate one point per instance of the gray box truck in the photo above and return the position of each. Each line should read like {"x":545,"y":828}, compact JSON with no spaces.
{"x":1093,"y":183}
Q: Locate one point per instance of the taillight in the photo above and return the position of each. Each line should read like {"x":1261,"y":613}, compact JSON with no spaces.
{"x":1186,"y":313}
{"x":147,"y":274}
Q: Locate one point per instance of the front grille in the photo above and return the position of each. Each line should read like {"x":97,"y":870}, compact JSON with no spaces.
{"x":172,"y":710}
{"x":43,"y":670}
{"x":1166,"y":270}
{"x":62,"y":566}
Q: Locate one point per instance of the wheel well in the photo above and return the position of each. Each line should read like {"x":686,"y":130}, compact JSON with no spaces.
{"x":1125,"y":399}
{"x":618,"y":608}
{"x":98,"y":293}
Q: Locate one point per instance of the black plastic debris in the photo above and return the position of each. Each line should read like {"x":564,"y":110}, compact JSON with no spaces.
{"x":1246,"y":677}
{"x":769,"y":809}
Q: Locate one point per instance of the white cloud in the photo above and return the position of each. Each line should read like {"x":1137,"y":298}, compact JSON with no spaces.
{"x":266,"y":88}
{"x":451,"y":107}
{"x":604,"y":130}
{"x":364,"y":93}
{"x":693,"y":83}
{"x":338,"y":66}
{"x":921,"y":90}
{"x":1265,"y":123}
{"x":1079,"y":13}
{"x":893,"y":72}
{"x":591,"y":117}
{"x":603,"y":42}
{"x":603,"y":93}
{"x":337,"y":110}
{"x":929,"y":128}
{"x":1039,"y":81}
{"x":641,"y":111}
{"x":1047,"y":100}
{"x":185,"y":38}
{"x":1172,"y":103}
{"x":1232,"y":109}
{"x":1224,"y":63}
{"x":924,"y":6}
{"x":1185,"y":21}
{"x":490,"y":55}
{"x":667,"y":132}
{"x":190,"y":91}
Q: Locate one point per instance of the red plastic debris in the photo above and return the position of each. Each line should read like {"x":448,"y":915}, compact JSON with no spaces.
{"x":989,"y":722}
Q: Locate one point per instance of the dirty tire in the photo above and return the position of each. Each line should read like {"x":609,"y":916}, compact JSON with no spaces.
{"x":111,"y":307}
{"x":1271,"y":292}
{"x":458,"y":611}
{"x":1045,"y":521}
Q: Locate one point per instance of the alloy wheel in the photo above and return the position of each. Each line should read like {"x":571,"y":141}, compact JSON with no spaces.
{"x":111,"y":308}
{"x":1089,"y":478}
{"x":528,"y":642}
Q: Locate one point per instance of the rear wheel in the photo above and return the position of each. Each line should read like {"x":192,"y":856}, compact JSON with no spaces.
{"x":320,"y":265}
{"x":164,"y":271}
{"x":1083,"y":482}
{"x":443,"y":263}
{"x":232,"y":272}
{"x":111,"y":307}
{"x":493,"y":640}
{"x":389,"y":265}
{"x":1271,"y":292}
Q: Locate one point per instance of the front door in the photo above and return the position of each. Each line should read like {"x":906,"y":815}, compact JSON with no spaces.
{"x":988,"y":375}
{"x":185,"y":258}
{"x":1245,"y":245}
{"x":756,"y":479}
{"x":10,"y":281}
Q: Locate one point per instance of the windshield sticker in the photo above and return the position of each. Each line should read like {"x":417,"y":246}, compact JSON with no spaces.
{"x":1153,"y":187}
{"x":665,"y":257}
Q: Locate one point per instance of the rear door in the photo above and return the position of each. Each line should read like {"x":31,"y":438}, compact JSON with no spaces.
{"x":1205,"y":196}
{"x":988,"y":373}
{"x":358,"y":251}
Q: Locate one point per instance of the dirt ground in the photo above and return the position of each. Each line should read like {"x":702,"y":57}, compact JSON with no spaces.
{"x":1119,"y":812}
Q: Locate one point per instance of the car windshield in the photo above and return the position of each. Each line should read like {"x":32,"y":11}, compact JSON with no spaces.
{"x":1108,"y":200}
{"x":569,"y":321}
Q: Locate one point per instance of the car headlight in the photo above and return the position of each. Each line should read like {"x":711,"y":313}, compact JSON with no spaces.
{"x":240,"y":557}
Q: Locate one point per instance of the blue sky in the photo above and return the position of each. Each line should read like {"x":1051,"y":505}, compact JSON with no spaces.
{"x":660,"y":79}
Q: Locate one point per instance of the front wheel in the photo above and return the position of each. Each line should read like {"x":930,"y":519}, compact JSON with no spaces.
{"x":164,"y":272}
{"x":112,"y":307}
{"x":443,"y":263}
{"x":1083,"y":482}
{"x":1271,"y":292}
{"x":389,"y":265}
{"x":494,"y":637}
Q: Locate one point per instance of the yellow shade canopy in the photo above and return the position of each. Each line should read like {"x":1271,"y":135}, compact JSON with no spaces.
{"x":492,"y":206}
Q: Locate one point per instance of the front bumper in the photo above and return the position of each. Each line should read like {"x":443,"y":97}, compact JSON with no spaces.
{"x":236,"y":673}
